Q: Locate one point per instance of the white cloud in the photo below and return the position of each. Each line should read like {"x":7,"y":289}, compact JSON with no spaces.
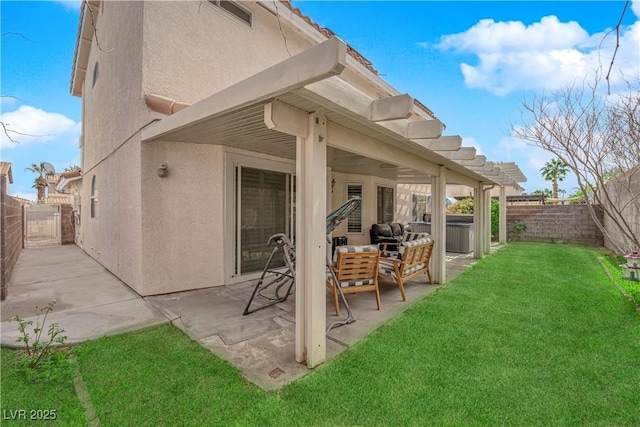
{"x":469,"y":141}
{"x":28,"y":125}
{"x":71,"y":5}
{"x":635,"y":7}
{"x":548,"y":54}
{"x":489,"y":36}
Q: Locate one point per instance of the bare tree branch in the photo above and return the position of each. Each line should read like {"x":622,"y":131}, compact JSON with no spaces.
{"x":598,"y":138}
{"x":12,"y":33}
{"x":615,"y":51}
{"x":95,"y":30}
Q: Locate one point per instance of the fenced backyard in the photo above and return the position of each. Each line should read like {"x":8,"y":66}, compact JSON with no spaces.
{"x":536,"y":334}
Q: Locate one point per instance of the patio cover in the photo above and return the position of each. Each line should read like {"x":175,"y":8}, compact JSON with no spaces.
{"x":301,"y":109}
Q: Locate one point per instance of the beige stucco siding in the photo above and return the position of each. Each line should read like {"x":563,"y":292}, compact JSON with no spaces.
{"x":114,"y":107}
{"x":194,"y":49}
{"x":112,"y":237}
{"x":113,"y":111}
{"x":182,"y":226}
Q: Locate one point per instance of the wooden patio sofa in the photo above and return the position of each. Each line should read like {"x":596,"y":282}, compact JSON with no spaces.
{"x":413,"y":260}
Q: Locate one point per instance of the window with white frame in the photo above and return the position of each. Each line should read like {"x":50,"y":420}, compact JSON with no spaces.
{"x":354,"y":221}
{"x":385,"y":203}
{"x":94,"y":197}
{"x":233,"y":8}
{"x":418,"y":206}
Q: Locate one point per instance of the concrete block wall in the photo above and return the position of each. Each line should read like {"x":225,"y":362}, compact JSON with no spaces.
{"x":68,"y":226}
{"x":555,"y":223}
{"x":11,"y":229}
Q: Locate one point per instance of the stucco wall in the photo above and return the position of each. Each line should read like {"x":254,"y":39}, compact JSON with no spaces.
{"x":114,"y":107}
{"x":194,"y":49}
{"x":113,"y":236}
{"x":113,"y":112}
{"x":182,"y":228}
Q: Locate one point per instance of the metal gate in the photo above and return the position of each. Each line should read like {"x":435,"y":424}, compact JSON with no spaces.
{"x":42,"y":225}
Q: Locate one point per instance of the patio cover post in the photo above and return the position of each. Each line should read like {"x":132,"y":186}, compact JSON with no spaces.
{"x":478,"y":221}
{"x":487,"y":221}
{"x":311,"y":212}
{"x":503,"y":215}
{"x":438,"y":225}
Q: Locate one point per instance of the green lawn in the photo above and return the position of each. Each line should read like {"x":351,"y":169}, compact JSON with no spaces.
{"x":535,"y":334}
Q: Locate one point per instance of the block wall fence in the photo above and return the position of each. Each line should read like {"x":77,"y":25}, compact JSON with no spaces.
{"x":12,"y":228}
{"x":555,"y":223}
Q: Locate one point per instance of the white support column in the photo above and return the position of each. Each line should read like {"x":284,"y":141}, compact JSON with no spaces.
{"x":503,"y":216}
{"x":311,"y":211}
{"x":438,"y":226}
{"x":487,"y":221}
{"x":478,"y":221}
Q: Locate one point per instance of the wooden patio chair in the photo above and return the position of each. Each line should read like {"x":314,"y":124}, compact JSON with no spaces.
{"x":356,"y":269}
{"x":413,"y":260}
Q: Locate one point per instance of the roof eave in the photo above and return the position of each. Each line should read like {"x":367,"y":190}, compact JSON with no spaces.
{"x":84,"y":40}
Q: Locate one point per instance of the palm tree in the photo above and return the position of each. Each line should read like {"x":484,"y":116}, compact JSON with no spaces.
{"x":41,"y":181}
{"x":555,"y":170}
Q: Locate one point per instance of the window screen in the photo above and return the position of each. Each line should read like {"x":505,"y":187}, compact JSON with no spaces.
{"x":263,"y":213}
{"x":385,"y":205}
{"x":354,"y":221}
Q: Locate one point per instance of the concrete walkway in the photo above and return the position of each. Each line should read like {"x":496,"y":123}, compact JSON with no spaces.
{"x":90,"y":301}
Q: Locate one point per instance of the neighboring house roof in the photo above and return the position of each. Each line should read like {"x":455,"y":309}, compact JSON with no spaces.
{"x":23,"y":201}
{"x":5,"y":169}
{"x":57,"y":199}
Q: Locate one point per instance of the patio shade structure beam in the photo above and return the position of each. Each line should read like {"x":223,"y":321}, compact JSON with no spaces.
{"x":464,"y":153}
{"x":426,"y":129}
{"x":443,"y":143}
{"x":317,"y":63}
{"x":476,"y":161}
{"x":391,"y":108}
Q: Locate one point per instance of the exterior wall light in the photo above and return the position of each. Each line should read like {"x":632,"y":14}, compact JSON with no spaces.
{"x":163,"y":170}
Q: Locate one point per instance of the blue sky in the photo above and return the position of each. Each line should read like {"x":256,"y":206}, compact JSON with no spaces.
{"x":470,"y":62}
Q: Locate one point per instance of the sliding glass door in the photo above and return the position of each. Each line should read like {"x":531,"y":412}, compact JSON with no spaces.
{"x":264,"y":207}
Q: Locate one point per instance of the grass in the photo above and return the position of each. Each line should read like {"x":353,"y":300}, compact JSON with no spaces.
{"x":535,"y":334}
{"x":50,"y":387}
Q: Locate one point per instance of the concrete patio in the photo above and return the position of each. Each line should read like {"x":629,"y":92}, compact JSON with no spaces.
{"x":91,"y":303}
